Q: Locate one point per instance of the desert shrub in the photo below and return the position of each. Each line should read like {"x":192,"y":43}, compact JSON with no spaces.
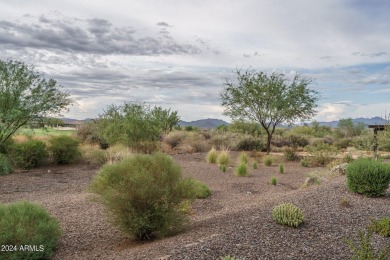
{"x":345,"y":202}
{"x":117,"y":153}
{"x":29,"y":154}
{"x":347,"y":158}
{"x":146,"y":146}
{"x":249,"y":143}
{"x":381,"y":226}
{"x":243,"y":158}
{"x":280,"y":141}
{"x":289,"y":154}
{"x":212,"y":156}
{"x":5,"y":165}
{"x":267,"y":161}
{"x":274,"y":180}
{"x":223,"y":168}
{"x":24,"y":223}
{"x":243,"y":127}
{"x":93,"y":155}
{"x":311,"y":180}
{"x":287,"y":214}
{"x":364,"y":250}
{"x":194,"y":143}
{"x":199,"y":188}
{"x":225,"y":140}
{"x":320,"y":153}
{"x":242,"y":170}
{"x":64,"y":149}
{"x":175,"y":138}
{"x":254,"y":165}
{"x":343,"y":143}
{"x":228,"y":257}
{"x":223,"y":157}
{"x":364,"y":142}
{"x":144,"y":194}
{"x":296,"y":140}
{"x":368,"y":177}
{"x":305,"y":162}
{"x":281,"y":168}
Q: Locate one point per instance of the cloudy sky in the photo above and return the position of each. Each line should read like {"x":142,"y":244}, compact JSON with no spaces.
{"x":177,"y":54}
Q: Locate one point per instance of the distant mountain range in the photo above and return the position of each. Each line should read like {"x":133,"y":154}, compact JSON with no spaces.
{"x":210,"y":123}
{"x":204,"y":123}
{"x":367,"y":121}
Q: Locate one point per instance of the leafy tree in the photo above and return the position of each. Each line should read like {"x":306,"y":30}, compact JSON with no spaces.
{"x":133,"y":123}
{"x":26,"y":96}
{"x":348,"y":128}
{"x":269,"y":99}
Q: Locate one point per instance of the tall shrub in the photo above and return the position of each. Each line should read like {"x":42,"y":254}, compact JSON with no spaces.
{"x":30,"y":154}
{"x":144,"y":193}
{"x":64,"y":149}
{"x":368,"y":177}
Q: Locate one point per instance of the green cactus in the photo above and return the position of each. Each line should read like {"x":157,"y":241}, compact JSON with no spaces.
{"x":287,"y":214}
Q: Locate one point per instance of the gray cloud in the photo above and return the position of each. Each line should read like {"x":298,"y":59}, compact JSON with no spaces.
{"x":96,"y":36}
{"x":164,"y":24}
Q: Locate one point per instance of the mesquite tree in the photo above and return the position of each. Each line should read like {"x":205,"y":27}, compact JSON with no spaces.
{"x":26,"y":96}
{"x":269,"y":99}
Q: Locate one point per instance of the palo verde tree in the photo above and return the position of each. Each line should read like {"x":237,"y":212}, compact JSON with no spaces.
{"x":269,"y":99}
{"x":26,"y":96}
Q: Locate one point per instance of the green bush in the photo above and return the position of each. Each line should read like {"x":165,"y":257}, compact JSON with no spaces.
{"x":228,"y":257}
{"x":243,"y":158}
{"x":363,"y":249}
{"x":212,"y":156}
{"x":274,"y":181}
{"x":321,"y":153}
{"x":281,"y":168}
{"x":222,"y":168}
{"x":289,"y":154}
{"x":24,"y":223}
{"x":145,"y":194}
{"x":5,"y":165}
{"x":64,"y":149}
{"x":94,"y":156}
{"x":249,"y":143}
{"x":201,"y":190}
{"x":287,"y":214}
{"x":242,"y":170}
{"x":255,"y":165}
{"x":381,"y":226}
{"x":368,"y":177}
{"x":6,"y":147}
{"x":29,"y":154}
{"x":175,"y":138}
{"x":268,"y":161}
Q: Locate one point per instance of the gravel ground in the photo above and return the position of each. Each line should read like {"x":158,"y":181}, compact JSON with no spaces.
{"x":235,"y":220}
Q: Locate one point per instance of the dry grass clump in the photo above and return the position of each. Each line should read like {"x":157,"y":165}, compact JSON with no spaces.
{"x":194,"y":143}
{"x":175,"y":138}
{"x":117,"y":153}
{"x":212,"y":156}
{"x":93,"y":155}
{"x":223,"y":157}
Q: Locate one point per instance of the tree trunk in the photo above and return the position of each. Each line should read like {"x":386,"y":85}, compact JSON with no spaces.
{"x":269,"y":138}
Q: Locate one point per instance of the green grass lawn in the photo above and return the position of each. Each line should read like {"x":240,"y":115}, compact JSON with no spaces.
{"x":44,"y":132}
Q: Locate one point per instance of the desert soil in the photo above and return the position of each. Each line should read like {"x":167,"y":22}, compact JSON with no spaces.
{"x":235,"y":220}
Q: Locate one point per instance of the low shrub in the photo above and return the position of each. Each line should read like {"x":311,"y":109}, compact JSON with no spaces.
{"x":224,"y":140}
{"x":289,"y":154}
{"x":254,"y":165}
{"x":145,"y":195}
{"x":199,"y":188}
{"x":345,"y":202}
{"x":212,"y":156}
{"x":364,"y":250}
{"x":242,"y":170}
{"x":64,"y":149}
{"x":93,"y":155}
{"x":305,"y":162}
{"x":243,"y":158}
{"x":194,"y":143}
{"x":6,"y":147}
{"x":223,"y":168}
{"x":368,"y":177}
{"x":381,"y":226}
{"x":268,"y":161}
{"x":321,"y":153}
{"x":311,"y":180}
{"x":274,"y":180}
{"x":228,"y":257}
{"x":249,"y":143}
{"x":287,"y":214}
{"x":347,"y":158}
{"x":344,"y":143}
{"x":25,"y":224}
{"x":117,"y":153}
{"x":297,"y":140}
{"x":175,"y":138}
{"x":223,"y":157}
{"x":281,"y":168}
{"x":5,"y":165}
{"x":29,"y":154}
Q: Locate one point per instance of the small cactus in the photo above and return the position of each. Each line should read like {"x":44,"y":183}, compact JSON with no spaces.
{"x":287,"y":214}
